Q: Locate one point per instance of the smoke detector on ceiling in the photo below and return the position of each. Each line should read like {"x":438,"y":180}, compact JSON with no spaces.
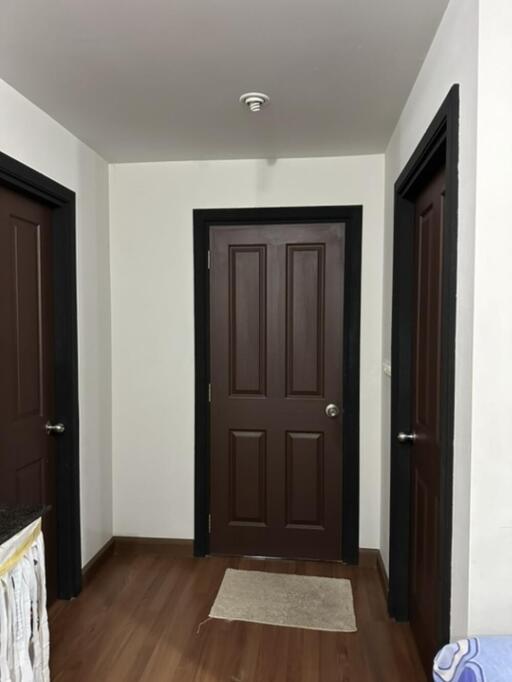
{"x":255,"y":100}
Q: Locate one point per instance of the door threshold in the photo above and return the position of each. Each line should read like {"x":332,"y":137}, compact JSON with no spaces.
{"x":256,"y":557}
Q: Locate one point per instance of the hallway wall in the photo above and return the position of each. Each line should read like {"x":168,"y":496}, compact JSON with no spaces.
{"x":153,"y":325}
{"x":490,"y":607}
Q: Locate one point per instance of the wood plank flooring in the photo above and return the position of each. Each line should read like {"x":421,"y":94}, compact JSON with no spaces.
{"x":139,"y":620}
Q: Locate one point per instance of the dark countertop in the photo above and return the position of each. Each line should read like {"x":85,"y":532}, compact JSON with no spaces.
{"x":14,"y":519}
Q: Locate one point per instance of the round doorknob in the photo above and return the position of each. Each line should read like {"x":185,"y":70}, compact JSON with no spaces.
{"x":332,"y":410}
{"x":406,"y":437}
{"x":54,"y":428}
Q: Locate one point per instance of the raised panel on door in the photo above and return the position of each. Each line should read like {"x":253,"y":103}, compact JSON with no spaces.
{"x":27,"y":327}
{"x":305,"y":326}
{"x":427,"y":320}
{"x":305,"y":476}
{"x":247,"y":477}
{"x":30,"y":483}
{"x":247,"y":320}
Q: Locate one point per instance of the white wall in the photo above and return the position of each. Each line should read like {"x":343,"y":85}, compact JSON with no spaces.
{"x":153,"y":326}
{"x":32,"y":137}
{"x":452,"y":58}
{"x":491,"y":498}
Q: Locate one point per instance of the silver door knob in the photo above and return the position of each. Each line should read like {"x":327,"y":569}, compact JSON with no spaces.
{"x":406,"y":437}
{"x":332,"y":410}
{"x":54,"y":428}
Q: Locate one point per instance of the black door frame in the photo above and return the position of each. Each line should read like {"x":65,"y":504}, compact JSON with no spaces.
{"x":440,"y":145}
{"x":203,"y":220}
{"x":25,"y":180}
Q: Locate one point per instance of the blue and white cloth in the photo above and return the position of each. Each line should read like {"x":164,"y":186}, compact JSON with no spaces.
{"x":478,"y":659}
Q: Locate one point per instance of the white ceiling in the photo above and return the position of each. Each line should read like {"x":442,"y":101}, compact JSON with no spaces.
{"x":149,"y":80}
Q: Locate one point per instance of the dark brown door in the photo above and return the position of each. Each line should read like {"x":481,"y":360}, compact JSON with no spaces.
{"x":27,"y":453}
{"x":424,"y":587}
{"x":276,"y":338}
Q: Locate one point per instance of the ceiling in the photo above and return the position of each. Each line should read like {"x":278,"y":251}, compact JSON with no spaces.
{"x":150,"y":80}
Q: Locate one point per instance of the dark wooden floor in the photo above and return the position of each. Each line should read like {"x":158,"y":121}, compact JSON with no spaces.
{"x":138,"y":620}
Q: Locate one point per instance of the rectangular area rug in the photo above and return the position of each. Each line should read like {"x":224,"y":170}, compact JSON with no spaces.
{"x":298,"y":601}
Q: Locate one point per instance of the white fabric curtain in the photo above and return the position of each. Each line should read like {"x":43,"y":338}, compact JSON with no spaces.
{"x":24,"y":637}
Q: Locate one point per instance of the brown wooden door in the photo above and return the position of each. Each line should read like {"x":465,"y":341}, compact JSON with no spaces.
{"x":276,"y":340}
{"x":27,"y":453}
{"x":424,"y":587}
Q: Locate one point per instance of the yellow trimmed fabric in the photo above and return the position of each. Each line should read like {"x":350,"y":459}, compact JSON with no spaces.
{"x":20,"y":551}
{"x":24,"y":634}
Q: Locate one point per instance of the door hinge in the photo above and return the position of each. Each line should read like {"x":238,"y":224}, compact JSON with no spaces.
{"x":209,"y":523}
{"x":208,"y":259}
{"x":209,"y":393}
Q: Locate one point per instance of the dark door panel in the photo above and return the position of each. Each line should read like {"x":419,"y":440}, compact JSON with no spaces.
{"x":276,"y":330}
{"x":27,"y":454}
{"x":424,"y":580}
